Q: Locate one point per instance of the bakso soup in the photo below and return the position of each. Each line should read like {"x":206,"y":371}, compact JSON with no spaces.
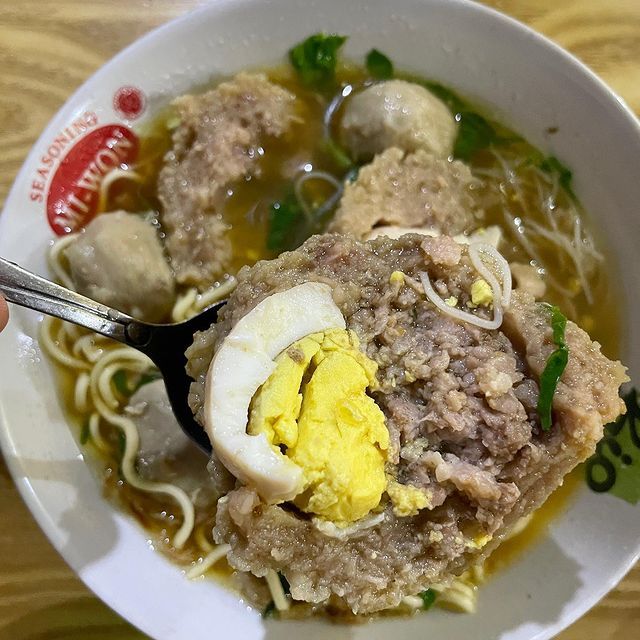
{"x":418,"y":346}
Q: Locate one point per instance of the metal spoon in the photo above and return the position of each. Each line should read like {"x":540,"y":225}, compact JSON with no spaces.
{"x":164,"y":344}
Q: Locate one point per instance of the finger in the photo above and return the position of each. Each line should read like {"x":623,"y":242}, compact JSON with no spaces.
{"x":4,"y":313}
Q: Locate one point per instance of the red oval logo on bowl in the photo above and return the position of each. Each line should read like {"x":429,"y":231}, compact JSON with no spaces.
{"x":75,"y":188}
{"x":129,"y":102}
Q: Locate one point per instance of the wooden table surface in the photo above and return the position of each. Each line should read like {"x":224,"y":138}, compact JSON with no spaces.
{"x":47,"y":49}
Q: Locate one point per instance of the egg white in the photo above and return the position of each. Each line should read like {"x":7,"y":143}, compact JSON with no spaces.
{"x":491,"y":235}
{"x":242,"y":364}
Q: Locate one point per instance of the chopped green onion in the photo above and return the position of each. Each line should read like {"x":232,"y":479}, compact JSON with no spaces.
{"x":147,"y":378}
{"x":121,"y":383}
{"x":285,"y":218}
{"x":338,"y":154}
{"x":428,"y":598}
{"x":270,"y":610}
{"x":315,"y":59}
{"x":286,"y":587}
{"x":474,"y":133}
{"x":554,"y":367}
{"x":85,"y":434}
{"x":450,"y":98}
{"x":378,"y":65}
{"x":558,"y":325}
{"x":122,"y":442}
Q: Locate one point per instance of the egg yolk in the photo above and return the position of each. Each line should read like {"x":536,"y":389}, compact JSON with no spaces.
{"x":481,"y":293}
{"x":315,"y":408}
{"x":406,"y":499}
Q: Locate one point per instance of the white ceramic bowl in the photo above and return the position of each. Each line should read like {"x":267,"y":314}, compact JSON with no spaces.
{"x":530,"y":84}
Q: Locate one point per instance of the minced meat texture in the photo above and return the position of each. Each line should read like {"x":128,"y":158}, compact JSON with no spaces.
{"x":460,"y":407}
{"x":409,"y":190}
{"x":216,"y":143}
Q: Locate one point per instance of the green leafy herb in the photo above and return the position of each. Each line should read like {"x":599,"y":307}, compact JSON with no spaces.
{"x":378,"y":65}
{"x":554,"y":367}
{"x":121,"y":382}
{"x":285,"y":584}
{"x":339,"y":156}
{"x":122,"y":443}
{"x":291,"y":221}
{"x":85,"y":434}
{"x":147,"y":378}
{"x":270,"y":610}
{"x":315,"y":59}
{"x":123,"y":386}
{"x":428,"y":598}
{"x":474,"y":133}
{"x":285,"y":218}
{"x":558,"y":326}
{"x":552,"y":165}
{"x":450,"y":98}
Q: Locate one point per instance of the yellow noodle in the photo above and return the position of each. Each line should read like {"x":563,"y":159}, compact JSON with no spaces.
{"x":96,"y":436}
{"x":204,"y":564}
{"x":459,"y":596}
{"x":81,"y":392}
{"x":201,"y":539}
{"x":87,"y":346}
{"x":132,"y":442}
{"x":278,"y":595}
{"x":216,"y":293}
{"x":52,"y":346}
{"x":183,"y":305}
{"x":192,"y":302}
{"x":112,"y":362}
{"x":54,"y":260}
{"x":113,"y":176}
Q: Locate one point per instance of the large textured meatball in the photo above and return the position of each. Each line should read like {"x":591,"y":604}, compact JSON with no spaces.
{"x":118,"y":260}
{"x":397,"y":114}
{"x":409,"y":190}
{"x":460,"y":407}
{"x":214,"y":145}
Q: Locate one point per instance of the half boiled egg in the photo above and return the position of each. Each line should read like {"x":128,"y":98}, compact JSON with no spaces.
{"x":242,"y":364}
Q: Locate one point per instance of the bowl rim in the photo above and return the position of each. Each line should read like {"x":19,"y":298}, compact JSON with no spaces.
{"x":29,"y":494}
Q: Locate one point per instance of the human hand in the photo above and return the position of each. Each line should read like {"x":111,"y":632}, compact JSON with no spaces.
{"x":4,"y":313}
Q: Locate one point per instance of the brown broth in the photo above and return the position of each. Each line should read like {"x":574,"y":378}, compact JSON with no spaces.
{"x":247,"y":205}
{"x":558,"y":502}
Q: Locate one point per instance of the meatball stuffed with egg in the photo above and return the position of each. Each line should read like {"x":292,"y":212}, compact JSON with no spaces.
{"x":379,"y":415}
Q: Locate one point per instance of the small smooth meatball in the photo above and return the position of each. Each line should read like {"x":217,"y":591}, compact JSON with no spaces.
{"x":166,"y":454}
{"x":397,"y":114}
{"x":118,"y":260}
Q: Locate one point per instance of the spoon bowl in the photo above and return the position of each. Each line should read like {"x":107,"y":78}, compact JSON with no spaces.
{"x":164,"y":344}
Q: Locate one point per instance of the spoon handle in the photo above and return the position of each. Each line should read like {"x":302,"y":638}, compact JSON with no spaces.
{"x":29,"y":290}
